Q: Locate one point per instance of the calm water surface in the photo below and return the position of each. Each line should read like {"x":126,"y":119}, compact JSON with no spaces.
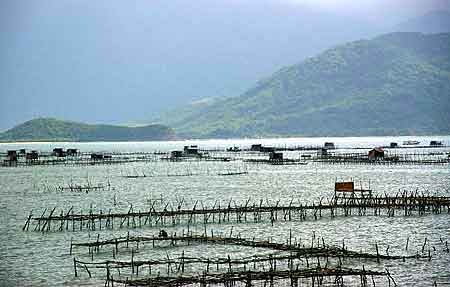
{"x":42,"y":259}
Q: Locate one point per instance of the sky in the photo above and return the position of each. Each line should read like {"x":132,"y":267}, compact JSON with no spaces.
{"x":126,"y":61}
{"x":390,"y":10}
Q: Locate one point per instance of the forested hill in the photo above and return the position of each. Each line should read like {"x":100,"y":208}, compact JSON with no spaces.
{"x":48,"y":129}
{"x":395,"y":84}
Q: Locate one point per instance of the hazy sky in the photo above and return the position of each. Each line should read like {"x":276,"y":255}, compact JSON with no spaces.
{"x":376,"y":10}
{"x":124,"y":61}
{"x":380,"y":12}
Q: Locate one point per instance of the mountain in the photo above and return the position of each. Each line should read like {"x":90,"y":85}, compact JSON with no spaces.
{"x":49,"y":129}
{"x":394,"y":84}
{"x":432,"y":22}
{"x":144,"y":57}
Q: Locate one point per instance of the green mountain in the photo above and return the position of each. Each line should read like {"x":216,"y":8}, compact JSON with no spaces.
{"x":48,"y":129}
{"x":395,"y":84}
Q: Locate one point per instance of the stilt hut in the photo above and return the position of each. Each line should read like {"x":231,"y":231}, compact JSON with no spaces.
{"x":346,"y":193}
{"x":376,"y":153}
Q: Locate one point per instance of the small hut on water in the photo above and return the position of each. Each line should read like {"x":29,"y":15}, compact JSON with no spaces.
{"x":376,"y":153}
{"x":346,"y":193}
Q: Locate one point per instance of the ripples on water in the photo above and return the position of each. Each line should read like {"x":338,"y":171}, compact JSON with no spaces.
{"x":42,"y":259}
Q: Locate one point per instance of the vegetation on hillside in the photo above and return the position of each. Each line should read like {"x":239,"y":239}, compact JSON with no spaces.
{"x":395,"y":84}
{"x":57,"y":130}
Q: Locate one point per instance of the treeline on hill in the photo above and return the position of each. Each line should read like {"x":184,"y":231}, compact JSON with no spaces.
{"x":395,"y":84}
{"x":48,"y":129}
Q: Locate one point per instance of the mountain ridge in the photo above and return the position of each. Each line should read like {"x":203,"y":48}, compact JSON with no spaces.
{"x":393,"y":84}
{"x":52,"y":129}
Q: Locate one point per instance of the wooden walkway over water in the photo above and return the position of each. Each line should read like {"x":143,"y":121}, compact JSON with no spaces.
{"x":406,"y":204}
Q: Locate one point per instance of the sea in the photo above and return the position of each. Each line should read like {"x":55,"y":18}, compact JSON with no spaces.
{"x":34,"y":258}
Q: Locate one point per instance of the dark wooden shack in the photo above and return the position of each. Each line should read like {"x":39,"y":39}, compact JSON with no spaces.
{"x":233,"y":149}
{"x":256,"y":147}
{"x":32,"y":156}
{"x":59,"y":152}
{"x":97,"y":156}
{"x":176,"y":154}
{"x":190,"y":150}
{"x":329,"y":145}
{"x":435,"y":143}
{"x":11,"y":158}
{"x":276,"y":156}
{"x":12,"y":155}
{"x":376,"y":153}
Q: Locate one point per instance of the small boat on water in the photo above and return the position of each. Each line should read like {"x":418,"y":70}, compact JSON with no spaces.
{"x":411,"y":142}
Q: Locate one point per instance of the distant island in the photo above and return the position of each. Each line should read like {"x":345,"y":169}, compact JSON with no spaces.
{"x":49,"y":129}
{"x":394,"y":84}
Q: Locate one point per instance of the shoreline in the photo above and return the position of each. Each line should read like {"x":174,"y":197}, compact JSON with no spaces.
{"x":46,"y":141}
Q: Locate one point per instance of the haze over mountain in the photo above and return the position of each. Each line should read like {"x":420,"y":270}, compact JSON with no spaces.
{"x":119,"y":62}
{"x":395,"y":84}
{"x":432,"y":22}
